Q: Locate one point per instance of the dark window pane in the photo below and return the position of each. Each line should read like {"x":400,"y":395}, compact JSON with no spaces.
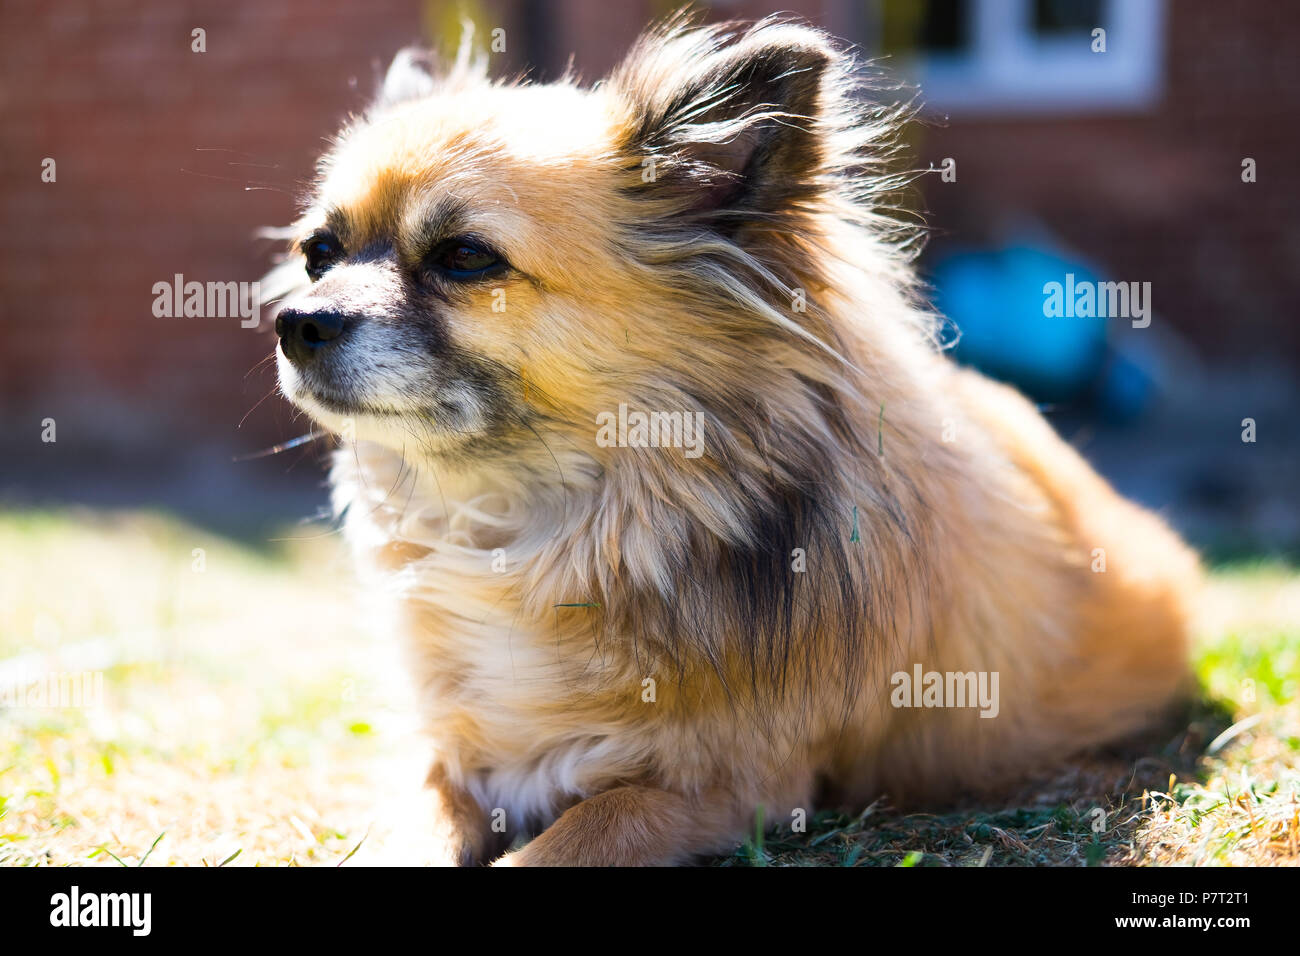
{"x":946,"y":25}
{"x":1066,"y":16}
{"x":930,"y":26}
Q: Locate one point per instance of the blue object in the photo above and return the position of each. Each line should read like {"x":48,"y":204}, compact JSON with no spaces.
{"x":996,"y":300}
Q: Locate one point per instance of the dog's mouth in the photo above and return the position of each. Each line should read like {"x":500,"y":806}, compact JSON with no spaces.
{"x":443,"y":419}
{"x":306,"y":390}
{"x":326,"y":401}
{"x":336,"y":402}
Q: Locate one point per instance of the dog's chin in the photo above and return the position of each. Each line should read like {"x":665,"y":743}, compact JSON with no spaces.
{"x":404,"y":429}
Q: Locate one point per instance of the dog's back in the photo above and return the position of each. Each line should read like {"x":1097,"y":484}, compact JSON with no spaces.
{"x":1078,"y":599}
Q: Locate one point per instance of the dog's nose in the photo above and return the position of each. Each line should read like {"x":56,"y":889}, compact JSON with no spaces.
{"x":304,"y":333}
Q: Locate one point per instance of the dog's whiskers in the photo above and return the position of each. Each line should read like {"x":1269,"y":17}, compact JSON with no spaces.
{"x":283,"y":446}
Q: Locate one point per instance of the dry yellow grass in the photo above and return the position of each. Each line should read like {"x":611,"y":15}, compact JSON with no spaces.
{"x":1246,"y":809}
{"x":244,"y":709}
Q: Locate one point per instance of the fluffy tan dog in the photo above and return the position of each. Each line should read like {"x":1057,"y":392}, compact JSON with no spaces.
{"x":651,"y":444}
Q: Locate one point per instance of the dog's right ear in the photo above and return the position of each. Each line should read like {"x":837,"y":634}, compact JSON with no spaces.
{"x":727,"y":122}
{"x":410,"y":77}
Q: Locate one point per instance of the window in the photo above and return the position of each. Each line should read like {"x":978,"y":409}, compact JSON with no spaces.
{"x":1055,"y":17}
{"x":1026,"y":55}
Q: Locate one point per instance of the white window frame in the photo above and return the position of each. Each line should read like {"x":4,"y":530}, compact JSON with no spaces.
{"x":1016,"y":70}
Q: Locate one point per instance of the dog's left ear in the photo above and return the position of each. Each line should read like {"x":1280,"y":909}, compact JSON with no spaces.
{"x":724,"y":123}
{"x":410,"y":77}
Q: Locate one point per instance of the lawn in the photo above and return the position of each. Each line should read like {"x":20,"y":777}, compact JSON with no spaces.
{"x":249,"y":718}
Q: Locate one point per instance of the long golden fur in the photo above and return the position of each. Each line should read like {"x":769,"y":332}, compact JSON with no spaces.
{"x":629,"y":650}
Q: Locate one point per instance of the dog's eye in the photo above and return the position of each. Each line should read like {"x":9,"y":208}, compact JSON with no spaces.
{"x":463,"y":258}
{"x":321,"y":251}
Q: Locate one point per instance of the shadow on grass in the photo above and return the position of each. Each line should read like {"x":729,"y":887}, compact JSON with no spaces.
{"x":1085,"y":813}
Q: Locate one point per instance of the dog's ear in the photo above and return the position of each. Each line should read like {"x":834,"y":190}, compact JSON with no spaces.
{"x":726,"y":123}
{"x":410,"y":77}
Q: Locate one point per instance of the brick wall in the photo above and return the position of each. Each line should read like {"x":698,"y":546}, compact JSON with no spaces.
{"x":157,"y":148}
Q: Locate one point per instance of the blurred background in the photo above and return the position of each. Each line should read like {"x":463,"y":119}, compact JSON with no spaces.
{"x":1123,"y":165}
{"x":248,"y":710}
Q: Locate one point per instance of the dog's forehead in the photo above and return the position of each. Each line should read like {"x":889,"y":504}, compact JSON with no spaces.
{"x":483,"y":148}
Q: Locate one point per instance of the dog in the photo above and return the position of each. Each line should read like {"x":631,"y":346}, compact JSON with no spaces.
{"x":651,"y":444}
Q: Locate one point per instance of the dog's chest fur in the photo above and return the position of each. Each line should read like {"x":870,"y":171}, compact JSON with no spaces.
{"x":520,"y":710}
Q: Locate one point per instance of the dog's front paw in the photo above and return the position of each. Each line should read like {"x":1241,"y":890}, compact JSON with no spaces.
{"x":451,"y":847}
{"x":458,"y":830}
{"x":454,"y":854}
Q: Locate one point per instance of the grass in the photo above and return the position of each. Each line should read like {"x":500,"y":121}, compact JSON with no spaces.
{"x":249,"y":719}
{"x":245,"y":711}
